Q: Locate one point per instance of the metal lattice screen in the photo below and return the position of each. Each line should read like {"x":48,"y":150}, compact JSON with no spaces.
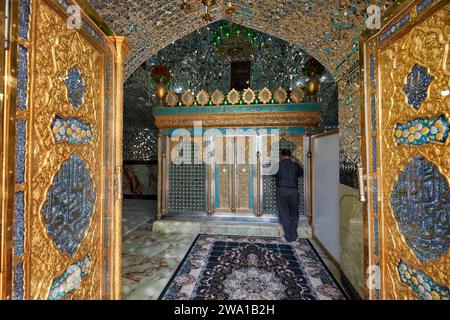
{"x":187,"y":188}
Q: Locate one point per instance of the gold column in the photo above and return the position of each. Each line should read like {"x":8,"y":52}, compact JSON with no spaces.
{"x":8,"y":82}
{"x":121,"y":50}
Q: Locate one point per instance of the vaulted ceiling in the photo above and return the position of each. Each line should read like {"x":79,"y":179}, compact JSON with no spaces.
{"x":327,"y":29}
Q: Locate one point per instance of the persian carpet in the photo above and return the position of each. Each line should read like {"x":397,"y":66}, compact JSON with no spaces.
{"x":251,"y":268}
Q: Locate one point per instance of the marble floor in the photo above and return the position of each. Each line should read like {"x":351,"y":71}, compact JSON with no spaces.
{"x":150,"y":258}
{"x":135,"y":213}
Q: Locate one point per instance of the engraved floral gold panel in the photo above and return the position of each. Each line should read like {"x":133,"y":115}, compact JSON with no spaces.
{"x":223,"y":183}
{"x":243,"y":183}
{"x":425,"y":44}
{"x":57,"y":52}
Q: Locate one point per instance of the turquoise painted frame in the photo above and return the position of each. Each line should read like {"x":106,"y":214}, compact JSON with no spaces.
{"x":233,"y":109}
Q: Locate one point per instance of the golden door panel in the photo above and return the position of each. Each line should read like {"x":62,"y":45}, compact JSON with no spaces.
{"x":66,"y":155}
{"x":244,"y":173}
{"x":224,"y":171}
{"x":234,"y":174}
{"x":414,"y":73}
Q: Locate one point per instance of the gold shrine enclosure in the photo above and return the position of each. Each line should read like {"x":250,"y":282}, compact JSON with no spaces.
{"x":62,"y":135}
{"x":407,"y":156}
{"x":231,"y":145}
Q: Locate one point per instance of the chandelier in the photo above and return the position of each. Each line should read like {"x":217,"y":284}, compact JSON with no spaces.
{"x":235,"y":42}
{"x":189,"y":7}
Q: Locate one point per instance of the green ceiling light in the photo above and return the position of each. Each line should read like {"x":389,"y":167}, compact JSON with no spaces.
{"x":235,"y":42}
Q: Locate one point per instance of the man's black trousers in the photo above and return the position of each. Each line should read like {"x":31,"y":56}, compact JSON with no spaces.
{"x":287,"y":204}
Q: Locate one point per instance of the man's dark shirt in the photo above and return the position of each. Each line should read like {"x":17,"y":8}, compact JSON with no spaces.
{"x":288,"y":174}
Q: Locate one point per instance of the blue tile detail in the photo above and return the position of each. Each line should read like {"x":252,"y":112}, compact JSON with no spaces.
{"x":423,"y":5}
{"x":374,"y":154}
{"x":416,"y":88}
{"x":68,"y":208}
{"x":422,"y":131}
{"x":375,"y":236}
{"x":94,"y":33}
{"x":24,"y":18}
{"x":21,"y":135}
{"x":19,"y":223}
{"x":373,"y":112}
{"x":421,"y":283}
{"x":375,"y":195}
{"x":22,"y":78}
{"x":421,"y":206}
{"x":75,"y":87}
{"x":71,"y":130}
{"x":404,"y":20}
{"x":18,"y":282}
{"x":70,"y":280}
{"x":372,"y":70}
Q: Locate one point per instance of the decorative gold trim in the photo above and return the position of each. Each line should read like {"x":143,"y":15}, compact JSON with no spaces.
{"x":233,"y":96}
{"x":281,"y":119}
{"x":172,"y":99}
{"x":246,"y":99}
{"x":122,"y":48}
{"x":8,"y":93}
{"x":203,"y":98}
{"x":280,"y":95}
{"x":218,"y":97}
{"x":187,"y":98}
{"x":265,"y":92}
{"x":297,"y":94}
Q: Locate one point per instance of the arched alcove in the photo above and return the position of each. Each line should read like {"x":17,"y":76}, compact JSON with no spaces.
{"x":196,"y":65}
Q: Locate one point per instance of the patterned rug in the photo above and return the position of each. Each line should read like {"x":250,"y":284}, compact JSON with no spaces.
{"x":251,"y":268}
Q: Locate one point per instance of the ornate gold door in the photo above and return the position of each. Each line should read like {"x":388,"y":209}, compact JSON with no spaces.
{"x":66,"y":220}
{"x":407,"y":99}
{"x":234,"y":174}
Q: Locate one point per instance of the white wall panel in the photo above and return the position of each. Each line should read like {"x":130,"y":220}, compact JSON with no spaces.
{"x":325,"y":163}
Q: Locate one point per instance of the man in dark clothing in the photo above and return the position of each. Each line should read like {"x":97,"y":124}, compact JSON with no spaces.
{"x":287,"y":194}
